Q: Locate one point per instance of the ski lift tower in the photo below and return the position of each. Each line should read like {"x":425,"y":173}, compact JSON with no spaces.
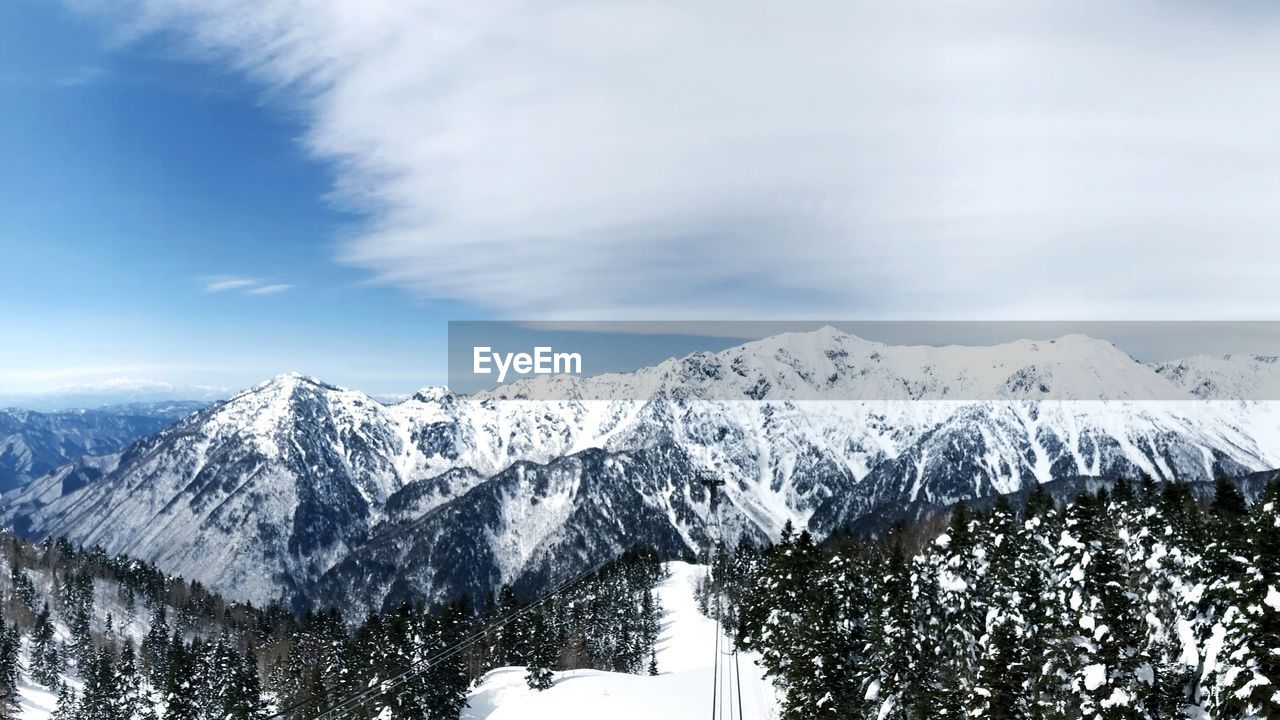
{"x":713,"y":485}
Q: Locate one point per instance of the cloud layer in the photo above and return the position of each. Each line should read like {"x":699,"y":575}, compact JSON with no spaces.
{"x":877,"y":159}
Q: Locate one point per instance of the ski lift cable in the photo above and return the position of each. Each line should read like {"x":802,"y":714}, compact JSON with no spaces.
{"x":715,"y":672}
{"x":734,"y":675}
{"x":397,"y":681}
{"x":717,"y":697}
{"x":737,"y":671}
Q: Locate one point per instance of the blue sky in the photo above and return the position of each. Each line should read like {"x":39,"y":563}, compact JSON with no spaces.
{"x":132,"y":180}
{"x":353,"y":175}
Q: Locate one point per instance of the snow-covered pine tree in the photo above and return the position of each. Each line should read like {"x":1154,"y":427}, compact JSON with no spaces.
{"x":102,"y":697}
{"x":650,"y":626}
{"x":1004,"y":670}
{"x":937,"y":676}
{"x":1120,"y":637}
{"x":21,"y":586}
{"x":155,"y":648}
{"x":448,"y":680}
{"x":244,"y":699}
{"x":542,"y":655}
{"x":1048,"y":632}
{"x":960,"y":568}
{"x":776,"y":607}
{"x":1242,"y":666}
{"x":136,"y":703}
{"x":67,"y":703}
{"x":10,"y":671}
{"x":76,"y":596}
{"x":892,"y":643}
{"x":513,"y":643}
{"x":46,"y":658}
{"x":180,"y":690}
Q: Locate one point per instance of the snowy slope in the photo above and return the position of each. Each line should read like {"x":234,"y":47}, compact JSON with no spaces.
{"x":300,"y":490}
{"x":35,"y":702}
{"x":681,"y":690}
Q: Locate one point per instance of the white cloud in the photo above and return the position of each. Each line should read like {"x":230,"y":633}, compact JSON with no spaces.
{"x":993,"y":159}
{"x":223,"y":284}
{"x":268,"y":289}
{"x":248,"y":286}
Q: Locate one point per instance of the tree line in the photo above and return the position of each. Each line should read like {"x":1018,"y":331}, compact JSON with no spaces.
{"x":1133,"y":604}
{"x":116,"y":639}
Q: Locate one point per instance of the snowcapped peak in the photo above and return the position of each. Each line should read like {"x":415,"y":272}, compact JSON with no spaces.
{"x":824,"y":337}
{"x":268,"y":410}
{"x":433,"y":394}
{"x":1080,"y":342}
{"x":830,"y":332}
{"x":286,"y":384}
{"x":1078,"y":338}
{"x":289,"y":379}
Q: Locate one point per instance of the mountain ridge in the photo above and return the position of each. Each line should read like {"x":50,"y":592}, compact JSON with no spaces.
{"x":34,"y":443}
{"x":306,"y":492}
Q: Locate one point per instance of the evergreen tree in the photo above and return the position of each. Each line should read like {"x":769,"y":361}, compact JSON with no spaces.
{"x":46,"y":659}
{"x":67,"y":706}
{"x":938,"y":675}
{"x":892,"y":642}
{"x":76,"y":594}
{"x":180,"y":693}
{"x":10,"y":671}
{"x":650,"y":619}
{"x":135,"y":702}
{"x":1002,"y":688}
{"x":1003,"y":676}
{"x":1167,"y":698}
{"x":513,"y":646}
{"x":1242,"y":681}
{"x":1039,"y":503}
{"x":243,"y":699}
{"x":102,"y":697}
{"x":542,"y":656}
{"x":155,"y":649}
{"x":22,"y":588}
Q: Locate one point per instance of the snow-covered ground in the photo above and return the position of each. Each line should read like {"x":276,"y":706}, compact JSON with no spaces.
{"x":36,"y":703}
{"x":682,"y":689}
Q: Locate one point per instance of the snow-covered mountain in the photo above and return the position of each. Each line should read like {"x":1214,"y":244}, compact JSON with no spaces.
{"x":1229,"y":376}
{"x":35,"y":443}
{"x":298,"y":489}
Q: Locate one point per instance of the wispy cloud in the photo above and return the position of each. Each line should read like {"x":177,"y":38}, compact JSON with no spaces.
{"x":229,"y":283}
{"x":268,"y":289}
{"x":80,"y":76}
{"x":561,"y":159}
{"x":247,"y":286}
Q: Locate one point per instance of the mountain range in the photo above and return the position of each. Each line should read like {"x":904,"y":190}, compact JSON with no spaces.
{"x":35,"y":443}
{"x":300,"y":491}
